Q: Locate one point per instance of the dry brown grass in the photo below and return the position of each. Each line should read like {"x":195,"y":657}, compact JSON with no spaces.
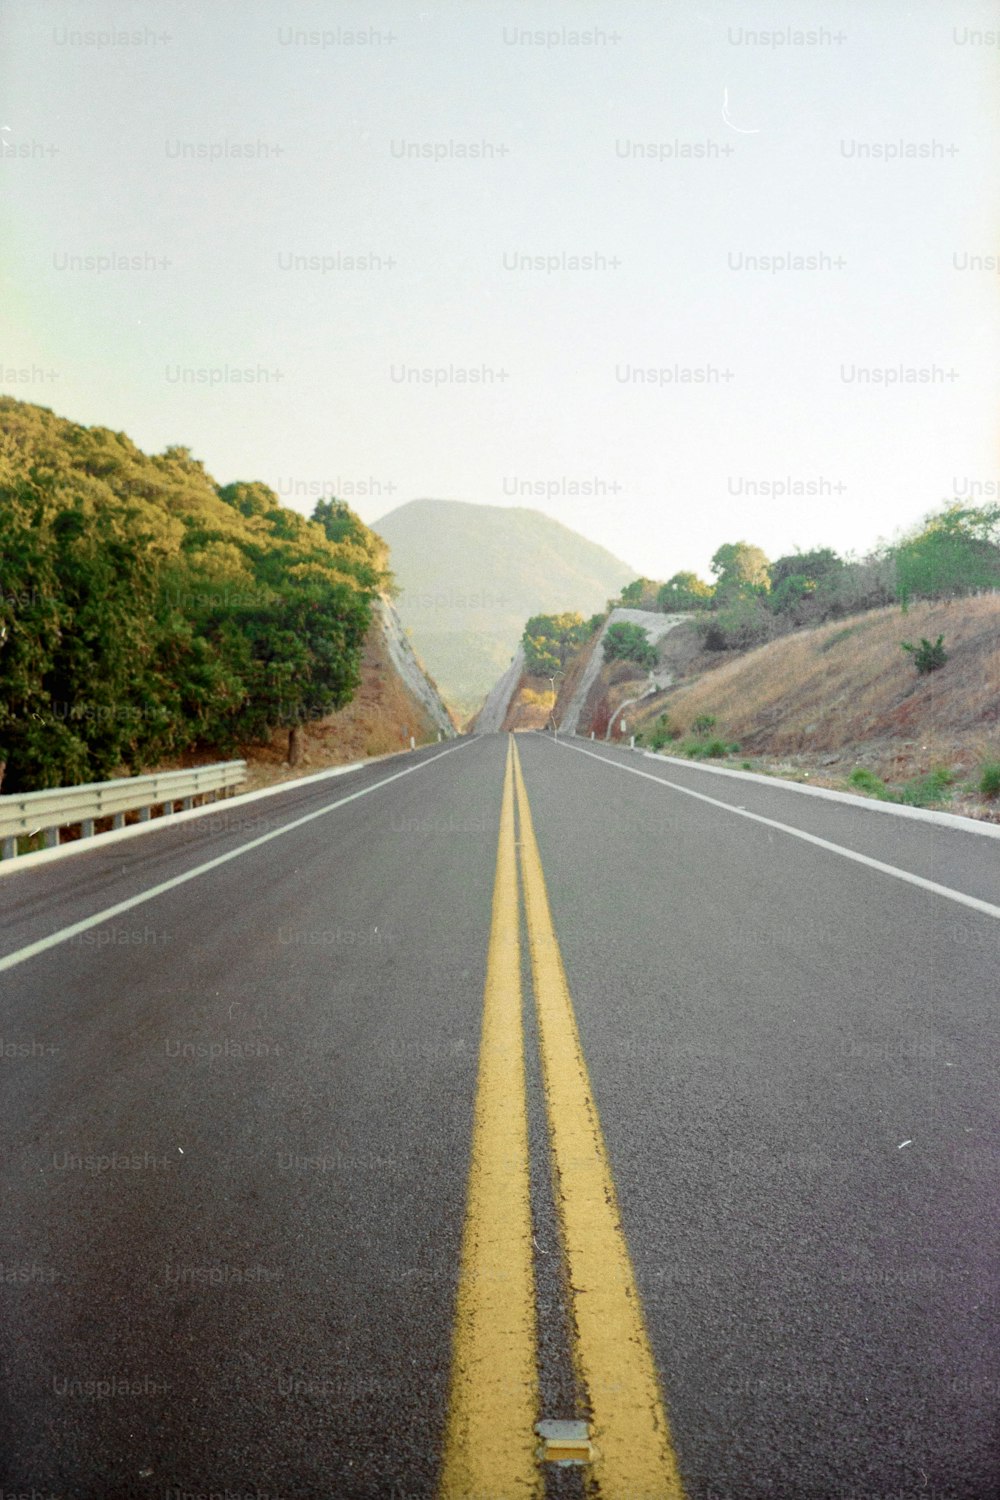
{"x":531,"y":706}
{"x":848,"y":684}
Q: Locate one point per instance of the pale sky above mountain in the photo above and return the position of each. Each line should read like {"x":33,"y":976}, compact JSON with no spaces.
{"x":241,"y":156}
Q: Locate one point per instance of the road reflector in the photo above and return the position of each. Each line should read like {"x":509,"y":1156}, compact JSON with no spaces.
{"x":564,"y":1442}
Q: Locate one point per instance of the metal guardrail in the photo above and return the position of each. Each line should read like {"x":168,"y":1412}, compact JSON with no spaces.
{"x":71,"y":806}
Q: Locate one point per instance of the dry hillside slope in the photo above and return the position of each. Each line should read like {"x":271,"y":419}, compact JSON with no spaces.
{"x":849,"y":681}
{"x":846,"y":694}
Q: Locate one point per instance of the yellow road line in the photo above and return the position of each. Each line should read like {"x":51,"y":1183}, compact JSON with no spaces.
{"x":634,"y":1457}
{"x":490,"y":1443}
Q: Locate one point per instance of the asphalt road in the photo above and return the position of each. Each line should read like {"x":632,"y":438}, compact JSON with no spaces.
{"x":237,"y":1133}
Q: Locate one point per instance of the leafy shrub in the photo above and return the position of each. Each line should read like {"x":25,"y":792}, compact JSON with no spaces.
{"x":662,"y":731}
{"x":790,"y":592}
{"x":934,"y":787}
{"x":703,"y":723}
{"x":743,"y":623}
{"x":927,"y":657}
{"x":989,"y":779}
{"x":707,"y":749}
{"x":627,"y":642}
{"x":866,"y":781}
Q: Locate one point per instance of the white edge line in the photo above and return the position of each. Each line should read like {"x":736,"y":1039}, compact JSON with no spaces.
{"x":19,"y":955}
{"x":170,"y":820}
{"x":810,"y":838}
{"x":921,"y":814}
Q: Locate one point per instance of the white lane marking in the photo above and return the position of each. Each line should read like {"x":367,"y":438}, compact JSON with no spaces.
{"x":893,"y":809}
{"x":23,"y":862}
{"x":19,"y":955}
{"x":799,"y":833}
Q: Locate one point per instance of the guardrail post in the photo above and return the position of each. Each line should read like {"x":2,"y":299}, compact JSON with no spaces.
{"x":48,"y":811}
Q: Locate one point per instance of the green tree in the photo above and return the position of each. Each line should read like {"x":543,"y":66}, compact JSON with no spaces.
{"x":741,"y":572}
{"x":627,"y":642}
{"x":550,"y":640}
{"x":144,"y":610}
{"x":639,"y":594}
{"x":802,"y":577}
{"x":955,"y":552}
{"x":250,"y":499}
{"x":682,"y":592}
{"x":822,"y":562}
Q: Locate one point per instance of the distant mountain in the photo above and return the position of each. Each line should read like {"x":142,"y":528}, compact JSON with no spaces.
{"x":472,"y":574}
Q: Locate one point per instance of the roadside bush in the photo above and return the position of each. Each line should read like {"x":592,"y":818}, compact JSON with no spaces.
{"x":627,"y":642}
{"x":989,"y":779}
{"x":863,"y":780}
{"x":663,"y":731}
{"x":927,"y":657}
{"x":713,"y":749}
{"x":703,"y":723}
{"x":934,"y":787}
{"x":737,"y":627}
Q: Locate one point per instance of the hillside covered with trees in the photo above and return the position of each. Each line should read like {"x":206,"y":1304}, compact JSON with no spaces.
{"x":146,"y":610}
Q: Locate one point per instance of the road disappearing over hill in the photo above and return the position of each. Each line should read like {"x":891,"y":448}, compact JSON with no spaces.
{"x":350,"y":1133}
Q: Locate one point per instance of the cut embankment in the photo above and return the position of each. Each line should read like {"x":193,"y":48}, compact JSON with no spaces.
{"x":846,"y":696}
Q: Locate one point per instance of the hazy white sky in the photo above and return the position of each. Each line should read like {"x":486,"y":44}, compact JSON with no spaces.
{"x":187,"y":189}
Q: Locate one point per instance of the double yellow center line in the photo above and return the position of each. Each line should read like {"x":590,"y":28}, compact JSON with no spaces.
{"x":490,"y":1443}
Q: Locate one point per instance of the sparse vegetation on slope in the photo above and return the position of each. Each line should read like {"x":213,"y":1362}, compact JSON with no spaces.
{"x":845,"y":684}
{"x":846,"y":696}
